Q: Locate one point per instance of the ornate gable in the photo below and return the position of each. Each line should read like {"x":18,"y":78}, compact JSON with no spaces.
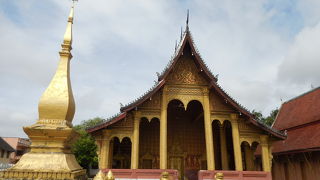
{"x":153,"y":102}
{"x":185,"y":70}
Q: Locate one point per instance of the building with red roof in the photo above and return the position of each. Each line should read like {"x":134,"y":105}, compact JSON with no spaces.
{"x":298,"y":156}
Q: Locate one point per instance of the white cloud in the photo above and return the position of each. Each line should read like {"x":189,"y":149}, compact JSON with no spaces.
{"x":301,"y":65}
{"x":120,"y":45}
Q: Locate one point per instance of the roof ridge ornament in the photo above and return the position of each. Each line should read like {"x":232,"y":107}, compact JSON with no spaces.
{"x":181,"y":34}
{"x":187,"y":21}
{"x":175,"y":47}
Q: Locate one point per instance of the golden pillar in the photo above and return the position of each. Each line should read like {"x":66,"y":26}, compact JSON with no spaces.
{"x":104,"y":153}
{"x":163,"y":131}
{"x":236,"y":142}
{"x":50,"y":156}
{"x":265,"y":153}
{"x":208,"y":131}
{"x":135,"y":145}
{"x":223,"y":142}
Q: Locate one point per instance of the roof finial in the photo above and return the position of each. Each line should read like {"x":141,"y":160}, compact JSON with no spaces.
{"x":175,"y":47}
{"x":67,"y":38}
{"x":181,"y":34}
{"x":187,"y":22}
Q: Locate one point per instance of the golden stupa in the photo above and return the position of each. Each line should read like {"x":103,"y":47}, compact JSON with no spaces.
{"x":52,"y":135}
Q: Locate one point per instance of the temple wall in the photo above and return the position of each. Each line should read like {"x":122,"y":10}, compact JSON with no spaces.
{"x":299,"y":166}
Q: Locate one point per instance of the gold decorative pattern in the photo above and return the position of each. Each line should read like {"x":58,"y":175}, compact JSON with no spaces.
{"x":153,"y":103}
{"x":218,"y":103}
{"x":186,"y":72}
{"x":250,"y":139}
{"x":245,"y":127}
{"x":186,"y":90}
{"x":126,"y":123}
{"x":149,"y":114}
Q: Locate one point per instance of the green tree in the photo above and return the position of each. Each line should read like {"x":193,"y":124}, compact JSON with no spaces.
{"x":258,"y":115}
{"x":266,"y":120}
{"x":272,"y":116}
{"x":85,"y":148}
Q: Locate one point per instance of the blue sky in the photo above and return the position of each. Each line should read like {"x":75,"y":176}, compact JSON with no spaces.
{"x":263,"y":51}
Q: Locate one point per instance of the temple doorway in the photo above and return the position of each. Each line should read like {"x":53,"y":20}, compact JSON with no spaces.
{"x":149,"y":143}
{"x":223,"y":145}
{"x":121,"y":153}
{"x":186,"y":138}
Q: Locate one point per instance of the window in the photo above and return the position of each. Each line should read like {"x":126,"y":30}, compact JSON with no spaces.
{"x":2,"y":153}
{"x":8,"y":154}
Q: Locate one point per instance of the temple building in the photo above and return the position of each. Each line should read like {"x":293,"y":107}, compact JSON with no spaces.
{"x":298,"y":157}
{"x":187,"y":122}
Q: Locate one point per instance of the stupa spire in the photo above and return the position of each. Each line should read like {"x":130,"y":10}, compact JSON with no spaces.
{"x":67,"y":39}
{"x":56,"y":106}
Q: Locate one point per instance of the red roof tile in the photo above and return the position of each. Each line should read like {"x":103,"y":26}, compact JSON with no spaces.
{"x":304,"y":138}
{"x":300,"y":117}
{"x":300,"y":110}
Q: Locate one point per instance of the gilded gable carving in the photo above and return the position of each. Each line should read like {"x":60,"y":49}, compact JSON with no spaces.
{"x":153,"y":102}
{"x":246,"y":127}
{"x":177,"y":90}
{"x":186,"y":72}
{"x":125,"y":124}
{"x":219,"y":104}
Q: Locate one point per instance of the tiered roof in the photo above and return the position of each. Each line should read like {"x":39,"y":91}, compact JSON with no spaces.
{"x":204,"y":70}
{"x":300,"y":118}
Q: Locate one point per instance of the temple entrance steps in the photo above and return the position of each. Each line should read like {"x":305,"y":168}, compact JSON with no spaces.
{"x":155,"y":174}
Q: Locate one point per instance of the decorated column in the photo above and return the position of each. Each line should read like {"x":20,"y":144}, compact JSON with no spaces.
{"x":208,"y":131}
{"x":265,"y":153}
{"x":163,"y":131}
{"x":236,"y":142}
{"x":135,"y":143}
{"x":104,"y":154}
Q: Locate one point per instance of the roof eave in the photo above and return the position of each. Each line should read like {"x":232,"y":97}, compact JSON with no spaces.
{"x":138,"y":102}
{"x":106,"y":124}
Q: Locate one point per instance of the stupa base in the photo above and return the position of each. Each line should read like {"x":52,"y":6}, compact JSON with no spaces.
{"x":46,"y":166}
